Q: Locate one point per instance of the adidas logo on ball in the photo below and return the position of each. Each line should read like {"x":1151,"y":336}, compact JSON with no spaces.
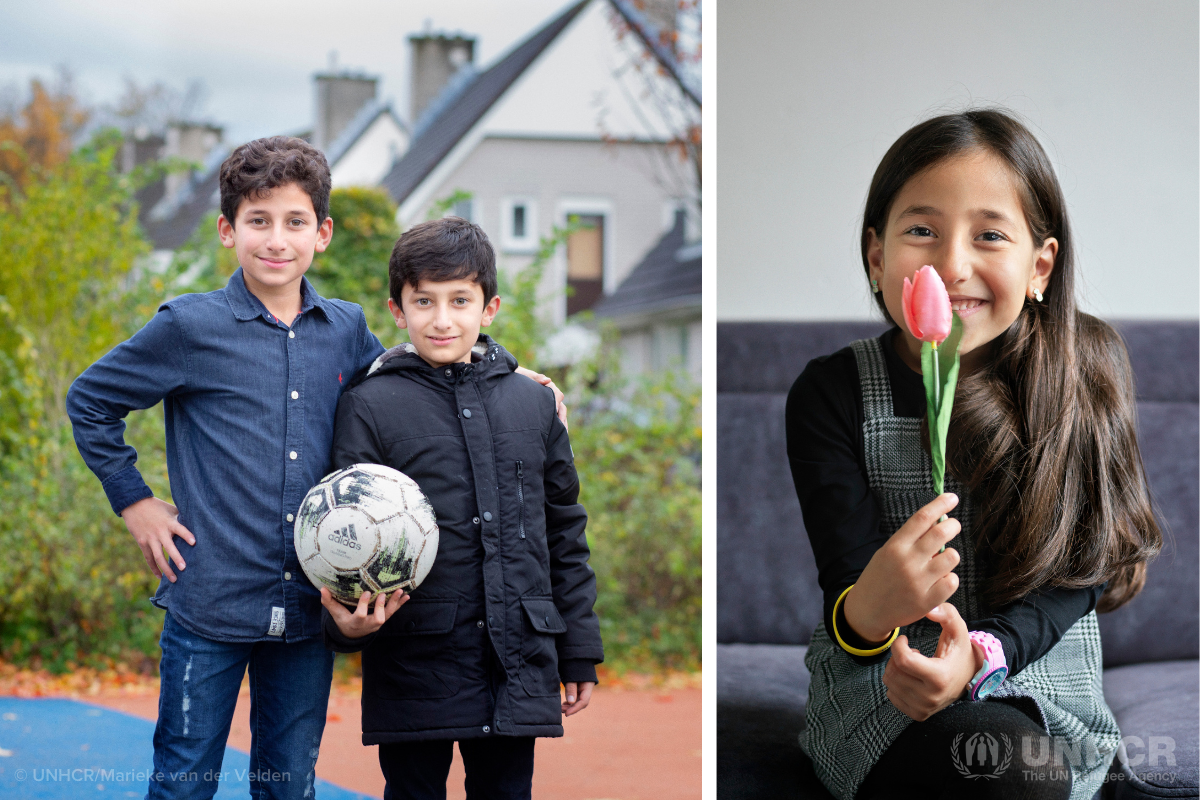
{"x":346,"y":537}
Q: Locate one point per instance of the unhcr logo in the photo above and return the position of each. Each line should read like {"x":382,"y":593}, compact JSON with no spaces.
{"x":980,"y":755}
{"x":346,"y":537}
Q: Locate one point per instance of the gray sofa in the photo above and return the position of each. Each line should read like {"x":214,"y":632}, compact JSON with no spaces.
{"x":768,"y":601}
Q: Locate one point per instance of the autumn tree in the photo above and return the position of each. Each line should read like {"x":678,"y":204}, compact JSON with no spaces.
{"x":662,"y":42}
{"x":38,"y":134}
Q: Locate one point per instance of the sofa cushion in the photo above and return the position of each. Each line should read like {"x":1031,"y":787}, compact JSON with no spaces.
{"x":761,"y":694}
{"x":767,"y":589}
{"x":1157,"y":707}
{"x":767,"y":356}
{"x":762,"y":690}
{"x":1166,"y":358}
{"x":1160,"y":623}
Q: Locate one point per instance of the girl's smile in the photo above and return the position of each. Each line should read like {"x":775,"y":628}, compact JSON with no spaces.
{"x":965,"y":306}
{"x":964,"y":217}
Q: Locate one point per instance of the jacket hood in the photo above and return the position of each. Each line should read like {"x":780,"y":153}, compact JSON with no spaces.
{"x":488,"y":361}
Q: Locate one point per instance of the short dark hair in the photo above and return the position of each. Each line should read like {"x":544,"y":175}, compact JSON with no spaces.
{"x":447,"y":249}
{"x":257,"y":167}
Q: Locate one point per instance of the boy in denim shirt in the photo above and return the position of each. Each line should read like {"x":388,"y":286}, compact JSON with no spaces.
{"x":505,"y":614}
{"x":250,"y":377}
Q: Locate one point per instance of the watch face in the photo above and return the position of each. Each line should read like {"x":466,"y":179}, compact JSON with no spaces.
{"x":992,"y":682}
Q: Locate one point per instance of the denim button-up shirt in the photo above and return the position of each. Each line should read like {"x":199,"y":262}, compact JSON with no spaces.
{"x":249,"y":406}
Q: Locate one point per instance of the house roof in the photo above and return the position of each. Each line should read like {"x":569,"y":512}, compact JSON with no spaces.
{"x":169,"y":225}
{"x":669,"y":277}
{"x":354,"y":130}
{"x":652,"y":38}
{"x":436,"y":137}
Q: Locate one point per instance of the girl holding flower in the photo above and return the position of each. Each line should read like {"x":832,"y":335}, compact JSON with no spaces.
{"x":970,"y":613}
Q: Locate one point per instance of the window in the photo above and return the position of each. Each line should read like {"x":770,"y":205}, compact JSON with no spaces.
{"x":465,"y":209}
{"x":585,"y":261}
{"x":518,"y":221}
{"x":518,"y":229}
{"x":669,"y":347}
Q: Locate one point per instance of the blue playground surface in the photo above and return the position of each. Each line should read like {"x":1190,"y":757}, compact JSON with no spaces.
{"x":56,"y":749}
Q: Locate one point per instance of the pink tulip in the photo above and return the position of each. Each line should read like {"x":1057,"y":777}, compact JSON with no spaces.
{"x":927,"y":306}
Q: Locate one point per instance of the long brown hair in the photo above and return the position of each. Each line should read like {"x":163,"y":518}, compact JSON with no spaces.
{"x":1045,"y":434}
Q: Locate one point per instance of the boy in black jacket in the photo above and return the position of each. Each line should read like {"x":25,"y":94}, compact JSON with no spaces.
{"x":478,"y":652}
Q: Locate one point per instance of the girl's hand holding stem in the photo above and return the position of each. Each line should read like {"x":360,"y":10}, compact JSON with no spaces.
{"x":908,"y":576}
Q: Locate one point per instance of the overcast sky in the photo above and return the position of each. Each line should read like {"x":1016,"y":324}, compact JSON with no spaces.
{"x":256,"y":59}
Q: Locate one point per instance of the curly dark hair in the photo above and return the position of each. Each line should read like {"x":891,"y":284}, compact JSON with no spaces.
{"x":257,"y":167}
{"x":446,"y":249}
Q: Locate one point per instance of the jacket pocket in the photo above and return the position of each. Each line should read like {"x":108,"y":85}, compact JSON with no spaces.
{"x":539,"y":656}
{"x":520,"y":500}
{"x":414,"y":657}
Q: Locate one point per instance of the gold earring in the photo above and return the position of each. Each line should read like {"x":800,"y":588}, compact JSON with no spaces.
{"x":874,"y":286}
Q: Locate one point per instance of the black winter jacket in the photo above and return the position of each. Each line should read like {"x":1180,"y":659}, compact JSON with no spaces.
{"x":506,"y":610}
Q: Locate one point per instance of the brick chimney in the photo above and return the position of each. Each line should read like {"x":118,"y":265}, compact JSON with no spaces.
{"x":191,"y":141}
{"x":436,"y":57}
{"x":340,"y":96}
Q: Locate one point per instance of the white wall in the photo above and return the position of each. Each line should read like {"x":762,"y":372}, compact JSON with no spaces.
{"x":586,"y":82}
{"x":618,"y":179}
{"x":811,"y":94}
{"x":371,"y":157}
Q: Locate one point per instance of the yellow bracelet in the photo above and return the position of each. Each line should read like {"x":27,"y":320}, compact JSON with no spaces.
{"x":854,"y":651}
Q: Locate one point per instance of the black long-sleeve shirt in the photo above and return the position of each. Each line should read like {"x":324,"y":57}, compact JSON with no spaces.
{"x":825,"y":448}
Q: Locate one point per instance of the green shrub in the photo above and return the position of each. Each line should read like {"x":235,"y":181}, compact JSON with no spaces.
{"x":638,"y":457}
{"x":73,"y":584}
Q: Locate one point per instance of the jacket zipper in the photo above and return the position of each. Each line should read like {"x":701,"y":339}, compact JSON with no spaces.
{"x":520,"y":501}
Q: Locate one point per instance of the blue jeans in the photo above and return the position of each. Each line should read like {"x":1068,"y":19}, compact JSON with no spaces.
{"x":289,"y":694}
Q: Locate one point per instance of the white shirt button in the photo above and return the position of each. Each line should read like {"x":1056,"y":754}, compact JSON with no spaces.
{"x":290,"y":518}
{"x":295,"y":395}
{"x":291,"y":334}
{"x":292,"y":455}
{"x":287,"y":576}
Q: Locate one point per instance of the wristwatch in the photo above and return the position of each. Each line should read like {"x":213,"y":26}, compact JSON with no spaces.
{"x":994,"y":669}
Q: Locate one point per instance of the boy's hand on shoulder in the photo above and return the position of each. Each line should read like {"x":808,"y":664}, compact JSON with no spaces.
{"x":578,"y":695}
{"x":154,"y":524}
{"x":360,"y":623}
{"x":560,"y":407}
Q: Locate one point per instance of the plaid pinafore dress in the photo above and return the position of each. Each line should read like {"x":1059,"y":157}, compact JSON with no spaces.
{"x":849,"y":720}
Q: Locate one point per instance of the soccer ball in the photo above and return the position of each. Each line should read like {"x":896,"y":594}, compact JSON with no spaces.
{"x":366,"y":527}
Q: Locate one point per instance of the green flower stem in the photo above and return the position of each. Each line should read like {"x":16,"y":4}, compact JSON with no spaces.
{"x":940,"y":380}
{"x":937,"y":382}
{"x":937,"y":403}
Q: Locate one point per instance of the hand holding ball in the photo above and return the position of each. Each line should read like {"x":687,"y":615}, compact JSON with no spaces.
{"x":366,"y":527}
